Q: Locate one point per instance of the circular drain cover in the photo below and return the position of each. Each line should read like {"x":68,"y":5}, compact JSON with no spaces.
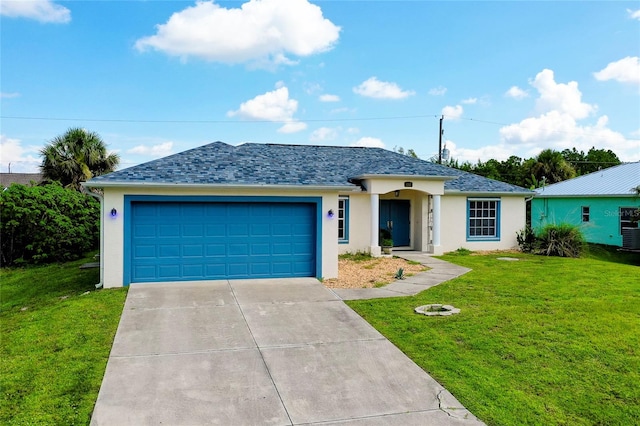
{"x":436,"y":309}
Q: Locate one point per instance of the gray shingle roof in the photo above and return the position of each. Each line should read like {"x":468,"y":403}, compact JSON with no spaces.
{"x":298,"y":165}
{"x":616,"y":180}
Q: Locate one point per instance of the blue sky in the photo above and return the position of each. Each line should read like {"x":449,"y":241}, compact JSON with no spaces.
{"x":159,"y":77}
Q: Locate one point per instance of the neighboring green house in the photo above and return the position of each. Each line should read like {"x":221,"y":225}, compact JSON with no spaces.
{"x":601,"y":203}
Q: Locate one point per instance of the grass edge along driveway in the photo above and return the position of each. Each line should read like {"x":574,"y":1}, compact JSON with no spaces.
{"x":55,"y":342}
{"x":539,"y":341}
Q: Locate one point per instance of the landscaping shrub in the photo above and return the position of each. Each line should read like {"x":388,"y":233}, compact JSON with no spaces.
{"x":526,"y":240}
{"x":562,"y":240}
{"x":48,"y":223}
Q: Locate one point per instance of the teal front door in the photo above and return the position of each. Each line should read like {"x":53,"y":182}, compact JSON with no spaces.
{"x":395,"y":218}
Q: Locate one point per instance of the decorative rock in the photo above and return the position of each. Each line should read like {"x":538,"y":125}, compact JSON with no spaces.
{"x":436,"y":309}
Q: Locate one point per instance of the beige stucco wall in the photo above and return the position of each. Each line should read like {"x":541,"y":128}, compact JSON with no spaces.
{"x":454,"y":228}
{"x":112,"y":254}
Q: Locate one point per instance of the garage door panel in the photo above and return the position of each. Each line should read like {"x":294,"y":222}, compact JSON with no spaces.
{"x":168,"y":251}
{"x":197,"y":241}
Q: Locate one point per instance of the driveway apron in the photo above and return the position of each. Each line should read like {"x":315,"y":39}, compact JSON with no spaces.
{"x":260,"y":352}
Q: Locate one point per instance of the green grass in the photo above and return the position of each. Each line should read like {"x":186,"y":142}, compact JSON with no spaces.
{"x":55,"y":342}
{"x":540,"y":341}
{"x":359,"y":256}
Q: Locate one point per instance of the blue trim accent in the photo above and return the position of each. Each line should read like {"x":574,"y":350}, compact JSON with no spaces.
{"x":129,"y":199}
{"x":344,"y":240}
{"x":482,"y":237}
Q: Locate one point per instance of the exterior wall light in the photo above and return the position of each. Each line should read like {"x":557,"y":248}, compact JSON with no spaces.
{"x":330,"y":214}
{"x":397,"y":193}
{"x":114,"y":212}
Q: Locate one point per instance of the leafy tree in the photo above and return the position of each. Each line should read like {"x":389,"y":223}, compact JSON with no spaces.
{"x":46,"y":223}
{"x":76,"y":156}
{"x":599,"y":159}
{"x":551,"y":167}
{"x":592,"y":161}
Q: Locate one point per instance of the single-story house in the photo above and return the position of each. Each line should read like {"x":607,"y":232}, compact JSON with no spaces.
{"x":268,"y":210}
{"x":601,"y":203}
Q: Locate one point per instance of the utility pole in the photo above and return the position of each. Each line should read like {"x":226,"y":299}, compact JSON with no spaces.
{"x":440,"y":141}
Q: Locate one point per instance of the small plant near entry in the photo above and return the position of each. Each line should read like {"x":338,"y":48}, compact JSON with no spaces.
{"x":387,"y":242}
{"x":400,"y":274}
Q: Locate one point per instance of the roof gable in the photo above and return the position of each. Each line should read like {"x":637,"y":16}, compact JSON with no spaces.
{"x":616,"y":180}
{"x":292,"y":165}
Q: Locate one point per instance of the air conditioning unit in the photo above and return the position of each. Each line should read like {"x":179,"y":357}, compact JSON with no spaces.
{"x":631,"y":238}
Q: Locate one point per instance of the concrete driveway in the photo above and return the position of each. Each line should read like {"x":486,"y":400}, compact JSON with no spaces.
{"x":260,"y":352}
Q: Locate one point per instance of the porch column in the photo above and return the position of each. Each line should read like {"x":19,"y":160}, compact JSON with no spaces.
{"x":436,"y":222}
{"x":375,"y":219}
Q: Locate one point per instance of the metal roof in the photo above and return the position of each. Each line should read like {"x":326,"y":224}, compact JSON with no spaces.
{"x":292,"y":165}
{"x":618,"y":180}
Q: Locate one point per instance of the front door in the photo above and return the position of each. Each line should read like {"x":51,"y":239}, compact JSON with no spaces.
{"x":395,"y":218}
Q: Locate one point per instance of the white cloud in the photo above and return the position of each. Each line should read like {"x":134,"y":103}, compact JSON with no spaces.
{"x":22,"y":159}
{"x":565,"y":98}
{"x":469,"y":101}
{"x":341,"y":110}
{"x":626,"y":70}
{"x":558,"y":124}
{"x":634,"y":14}
{"x":369,"y":142}
{"x":292,"y":127}
{"x":272,"y":106}
{"x":497,"y":152}
{"x":452,"y":112}
{"x":159,"y":150}
{"x":6,"y":95}
{"x":353,"y":130}
{"x":260,"y":31}
{"x":516,"y":93}
{"x":323,"y":134}
{"x":329,"y":98}
{"x":438,"y":91}
{"x":41,"y":10}
{"x":374,"y":88}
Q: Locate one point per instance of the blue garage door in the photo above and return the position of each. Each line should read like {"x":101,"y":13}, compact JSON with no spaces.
{"x":207,"y":241}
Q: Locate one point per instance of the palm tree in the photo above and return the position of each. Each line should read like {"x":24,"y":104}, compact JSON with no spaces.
{"x":76,"y":156}
{"x":551,"y":167}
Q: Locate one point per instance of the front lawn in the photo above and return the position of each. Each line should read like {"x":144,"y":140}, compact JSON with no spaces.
{"x":540,"y":340}
{"x":55,"y":342}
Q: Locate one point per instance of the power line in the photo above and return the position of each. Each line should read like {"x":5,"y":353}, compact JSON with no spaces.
{"x":127,"y":120}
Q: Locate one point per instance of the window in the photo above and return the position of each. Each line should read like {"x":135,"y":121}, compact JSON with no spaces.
{"x":483,"y":219}
{"x":585,"y":213}
{"x":343,"y":220}
{"x":626,"y":216}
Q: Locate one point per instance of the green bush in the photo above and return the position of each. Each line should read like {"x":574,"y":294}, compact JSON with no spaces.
{"x":562,"y":240}
{"x":48,"y":223}
{"x":526,"y":240}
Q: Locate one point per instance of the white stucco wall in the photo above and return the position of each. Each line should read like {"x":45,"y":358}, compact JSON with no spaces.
{"x":113,"y":244}
{"x":454,"y":223}
{"x":360,"y":219}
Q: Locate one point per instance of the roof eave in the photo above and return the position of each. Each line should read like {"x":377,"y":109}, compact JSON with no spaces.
{"x":488,"y":193}
{"x":419,"y":177}
{"x":166,"y":185}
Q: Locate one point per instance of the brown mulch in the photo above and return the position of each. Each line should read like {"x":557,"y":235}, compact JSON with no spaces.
{"x":371,"y":273}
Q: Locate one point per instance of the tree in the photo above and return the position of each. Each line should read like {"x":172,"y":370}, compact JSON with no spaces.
{"x":76,"y":156}
{"x":551,"y":167}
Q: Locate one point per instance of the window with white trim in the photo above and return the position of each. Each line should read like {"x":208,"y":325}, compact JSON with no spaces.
{"x":343,"y":219}
{"x":585,"y":213}
{"x":483,"y":219}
